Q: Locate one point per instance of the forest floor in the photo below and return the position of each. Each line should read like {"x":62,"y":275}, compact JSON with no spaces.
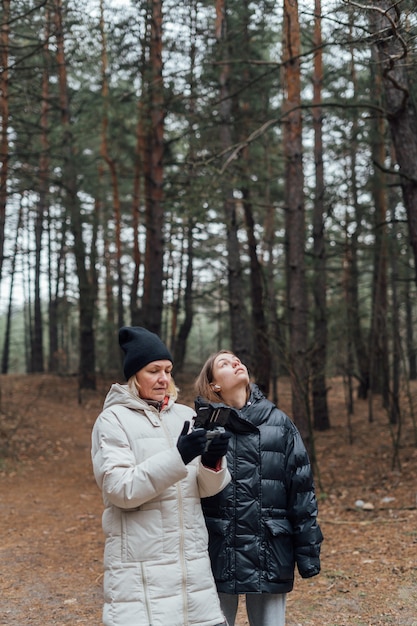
{"x":50,"y":512}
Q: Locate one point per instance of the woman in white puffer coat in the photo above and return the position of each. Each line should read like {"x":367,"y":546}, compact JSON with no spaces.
{"x":152,"y":471}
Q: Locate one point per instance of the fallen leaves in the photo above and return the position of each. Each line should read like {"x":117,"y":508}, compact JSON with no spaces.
{"x":50,"y":515}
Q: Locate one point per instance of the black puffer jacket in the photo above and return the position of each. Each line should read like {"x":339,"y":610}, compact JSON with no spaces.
{"x":265,"y":521}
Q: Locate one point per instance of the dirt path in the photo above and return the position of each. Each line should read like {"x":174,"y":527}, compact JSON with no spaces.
{"x":50,"y":516}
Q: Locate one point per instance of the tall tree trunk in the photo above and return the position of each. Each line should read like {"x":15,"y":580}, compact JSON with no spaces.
{"x":240,"y":332}
{"x":110,"y":235}
{"x":153,"y":288}
{"x":37,"y":352}
{"x":185,"y":327}
{"x":58,"y":357}
{"x":7,"y":333}
{"x":27,"y":288}
{"x":241,"y":335}
{"x":358,"y":363}
{"x":394,"y":400}
{"x":86,"y":283}
{"x":184,"y":330}
{"x":349,"y":293}
{"x":319,"y":352}
{"x":4,"y":119}
{"x":295,"y":220}
{"x":357,"y":336}
{"x":135,"y":313}
{"x":277,"y":342}
{"x":260,"y":363}
{"x":105,"y":155}
{"x":401,"y":111}
{"x":378,"y":343}
{"x":410,"y":334}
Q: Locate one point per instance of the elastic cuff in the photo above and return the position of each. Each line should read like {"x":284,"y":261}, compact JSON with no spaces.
{"x":216,"y":468}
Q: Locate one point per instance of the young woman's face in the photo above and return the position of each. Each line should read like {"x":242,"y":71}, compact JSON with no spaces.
{"x":154,"y":379}
{"x":229,"y":372}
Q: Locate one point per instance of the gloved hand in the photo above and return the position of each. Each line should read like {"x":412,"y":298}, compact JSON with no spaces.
{"x":191,"y":445}
{"x":217,"y":448}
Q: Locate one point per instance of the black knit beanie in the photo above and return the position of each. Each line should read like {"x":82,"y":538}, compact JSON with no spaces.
{"x":140,"y":347}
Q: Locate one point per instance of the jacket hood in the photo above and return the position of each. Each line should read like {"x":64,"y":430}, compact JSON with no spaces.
{"x":256,"y":393}
{"x":120,"y":395}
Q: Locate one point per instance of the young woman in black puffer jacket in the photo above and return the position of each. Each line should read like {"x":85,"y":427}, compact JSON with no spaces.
{"x":265,"y":521}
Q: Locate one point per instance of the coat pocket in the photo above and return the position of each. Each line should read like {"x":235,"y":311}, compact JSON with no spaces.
{"x":142,"y":535}
{"x":279,"y":550}
{"x":220,"y":554}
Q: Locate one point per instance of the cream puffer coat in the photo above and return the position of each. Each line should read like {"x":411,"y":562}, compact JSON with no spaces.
{"x":156,"y":565}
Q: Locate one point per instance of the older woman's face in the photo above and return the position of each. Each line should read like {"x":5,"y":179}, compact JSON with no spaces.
{"x":154,"y":379}
{"x":229,"y":372}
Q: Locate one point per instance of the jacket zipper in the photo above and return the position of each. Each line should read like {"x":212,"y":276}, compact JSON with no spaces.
{"x":182,"y":539}
{"x":182,"y":557}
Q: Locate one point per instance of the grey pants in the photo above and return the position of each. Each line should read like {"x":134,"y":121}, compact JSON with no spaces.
{"x":263,"y":609}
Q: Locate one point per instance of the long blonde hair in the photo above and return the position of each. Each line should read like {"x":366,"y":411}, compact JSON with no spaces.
{"x":204,"y":381}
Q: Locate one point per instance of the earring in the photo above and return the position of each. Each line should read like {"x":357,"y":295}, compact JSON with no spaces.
{"x":216,"y":387}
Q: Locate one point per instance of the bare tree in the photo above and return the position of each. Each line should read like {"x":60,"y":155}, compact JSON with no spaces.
{"x":394,"y":54}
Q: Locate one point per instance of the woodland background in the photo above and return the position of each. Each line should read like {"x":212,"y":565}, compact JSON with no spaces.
{"x":228,"y":174}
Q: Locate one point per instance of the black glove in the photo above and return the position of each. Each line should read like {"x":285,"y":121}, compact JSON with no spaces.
{"x":217,"y":448}
{"x":191,"y":445}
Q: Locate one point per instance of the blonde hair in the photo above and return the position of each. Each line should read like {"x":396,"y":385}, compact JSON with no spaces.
{"x":134,"y":388}
{"x":204,"y":381}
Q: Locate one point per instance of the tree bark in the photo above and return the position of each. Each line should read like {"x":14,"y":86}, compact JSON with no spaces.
{"x":58,"y":357}
{"x":135,"y":312}
{"x":37,"y":352}
{"x":180,"y":339}
{"x":321,"y":418}
{"x":410,"y":333}
{"x":261,"y":362}
{"x":358,"y":344}
{"x":7,"y":332}
{"x":4,"y":118}
{"x":378,"y":339}
{"x":154,"y":213}
{"x":393,"y":405}
{"x":295,"y":220}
